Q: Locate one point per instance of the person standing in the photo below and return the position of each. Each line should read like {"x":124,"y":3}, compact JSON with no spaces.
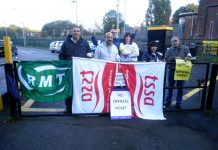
{"x":151,"y":55}
{"x":177,"y":51}
{"x":116,"y":39}
{"x":107,"y":50}
{"x":74,"y":46}
{"x":129,"y":50}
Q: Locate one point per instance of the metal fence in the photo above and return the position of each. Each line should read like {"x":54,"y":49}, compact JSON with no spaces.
{"x":204,"y":49}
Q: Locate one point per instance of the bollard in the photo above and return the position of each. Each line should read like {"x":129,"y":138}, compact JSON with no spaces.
{"x":9,"y":72}
{"x":7,"y":50}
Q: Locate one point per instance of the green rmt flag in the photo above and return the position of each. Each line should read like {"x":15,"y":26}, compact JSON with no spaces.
{"x":46,"y":81}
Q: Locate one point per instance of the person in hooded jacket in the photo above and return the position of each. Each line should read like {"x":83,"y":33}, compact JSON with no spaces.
{"x":74,"y":46}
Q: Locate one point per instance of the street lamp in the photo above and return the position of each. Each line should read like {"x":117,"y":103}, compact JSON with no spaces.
{"x":75,"y":1}
{"x":6,"y":29}
{"x":24,"y":35}
{"x":23,"y":29}
{"x":117,"y":14}
{"x":124,"y":27}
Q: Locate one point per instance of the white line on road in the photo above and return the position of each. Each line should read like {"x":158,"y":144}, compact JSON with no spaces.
{"x":25,"y":52}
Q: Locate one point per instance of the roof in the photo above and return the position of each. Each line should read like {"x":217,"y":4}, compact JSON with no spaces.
{"x":160,"y":28}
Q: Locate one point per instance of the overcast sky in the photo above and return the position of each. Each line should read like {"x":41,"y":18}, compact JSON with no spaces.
{"x":35,"y":13}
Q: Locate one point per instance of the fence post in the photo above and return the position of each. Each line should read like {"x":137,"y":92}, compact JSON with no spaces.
{"x":211,"y":86}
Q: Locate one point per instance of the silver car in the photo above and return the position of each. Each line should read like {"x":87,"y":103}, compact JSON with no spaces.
{"x":55,"y":46}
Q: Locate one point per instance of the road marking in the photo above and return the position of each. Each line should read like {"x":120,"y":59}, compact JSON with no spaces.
{"x":194,"y":91}
{"x":25,"y":52}
{"x":28,"y":104}
{"x":43,"y":109}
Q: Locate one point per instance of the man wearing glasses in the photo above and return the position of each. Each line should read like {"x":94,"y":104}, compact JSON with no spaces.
{"x":177,"y":51}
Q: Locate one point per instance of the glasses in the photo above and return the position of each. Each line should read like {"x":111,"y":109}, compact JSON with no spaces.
{"x":174,"y":40}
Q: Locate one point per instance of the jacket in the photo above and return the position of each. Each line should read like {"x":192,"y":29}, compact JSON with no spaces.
{"x":70,"y":49}
{"x":149,"y":57}
{"x":105,"y":52}
{"x":129,"y":52}
{"x":173,"y":52}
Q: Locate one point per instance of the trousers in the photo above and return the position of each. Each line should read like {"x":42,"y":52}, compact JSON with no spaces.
{"x":172,"y":83}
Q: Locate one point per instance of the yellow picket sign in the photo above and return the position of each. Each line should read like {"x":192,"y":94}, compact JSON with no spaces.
{"x":183,"y":69}
{"x":210,"y":47}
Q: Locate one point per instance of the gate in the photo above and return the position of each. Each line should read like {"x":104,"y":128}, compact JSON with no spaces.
{"x":195,"y":91}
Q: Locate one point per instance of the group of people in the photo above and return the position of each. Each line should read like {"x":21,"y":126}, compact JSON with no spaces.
{"x":125,"y":50}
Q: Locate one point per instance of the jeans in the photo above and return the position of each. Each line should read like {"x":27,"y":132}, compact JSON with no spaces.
{"x":171,"y":83}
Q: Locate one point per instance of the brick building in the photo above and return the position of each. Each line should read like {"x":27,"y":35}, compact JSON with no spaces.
{"x":207,"y":19}
{"x":201,"y":25}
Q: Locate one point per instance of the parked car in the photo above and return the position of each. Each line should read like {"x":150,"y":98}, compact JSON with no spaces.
{"x":13,"y":48}
{"x":55,"y":46}
{"x":92,"y":46}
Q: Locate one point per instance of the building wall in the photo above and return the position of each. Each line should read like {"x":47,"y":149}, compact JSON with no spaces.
{"x":207,"y":19}
{"x":190,"y":25}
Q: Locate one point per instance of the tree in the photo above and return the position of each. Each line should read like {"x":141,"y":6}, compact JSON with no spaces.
{"x":158,"y":12}
{"x":110,"y":21}
{"x":188,"y":8}
{"x":13,"y":31}
{"x":56,"y":28}
{"x":149,"y":14}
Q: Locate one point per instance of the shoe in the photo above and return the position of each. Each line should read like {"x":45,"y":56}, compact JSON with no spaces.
{"x":67,"y":111}
{"x":167,"y":104}
{"x":178,"y":106}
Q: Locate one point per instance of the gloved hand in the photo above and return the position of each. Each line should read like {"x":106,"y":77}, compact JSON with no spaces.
{"x":90,"y":55}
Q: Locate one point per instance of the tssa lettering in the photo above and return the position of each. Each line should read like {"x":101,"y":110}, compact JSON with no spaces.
{"x":149,"y":90}
{"x":87,"y":80}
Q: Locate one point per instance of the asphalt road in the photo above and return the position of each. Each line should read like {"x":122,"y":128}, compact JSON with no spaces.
{"x":26,"y":54}
{"x":182,"y":130}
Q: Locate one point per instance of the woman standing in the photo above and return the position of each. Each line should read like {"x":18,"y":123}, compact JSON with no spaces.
{"x":129,"y":50}
{"x":151,"y":55}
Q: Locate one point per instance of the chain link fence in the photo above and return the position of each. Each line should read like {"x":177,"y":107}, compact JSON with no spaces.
{"x":203,"y":50}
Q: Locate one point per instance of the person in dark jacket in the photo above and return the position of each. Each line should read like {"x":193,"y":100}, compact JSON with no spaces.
{"x":74,"y":46}
{"x":151,"y":55}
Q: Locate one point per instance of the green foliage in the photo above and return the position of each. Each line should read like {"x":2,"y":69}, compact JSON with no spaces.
{"x":110,"y":21}
{"x":158,"y":12}
{"x":188,"y":8}
{"x":56,"y":28}
{"x":149,"y":14}
{"x":13,"y":31}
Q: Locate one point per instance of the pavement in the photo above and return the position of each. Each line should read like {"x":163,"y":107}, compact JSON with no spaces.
{"x":183,"y":130}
